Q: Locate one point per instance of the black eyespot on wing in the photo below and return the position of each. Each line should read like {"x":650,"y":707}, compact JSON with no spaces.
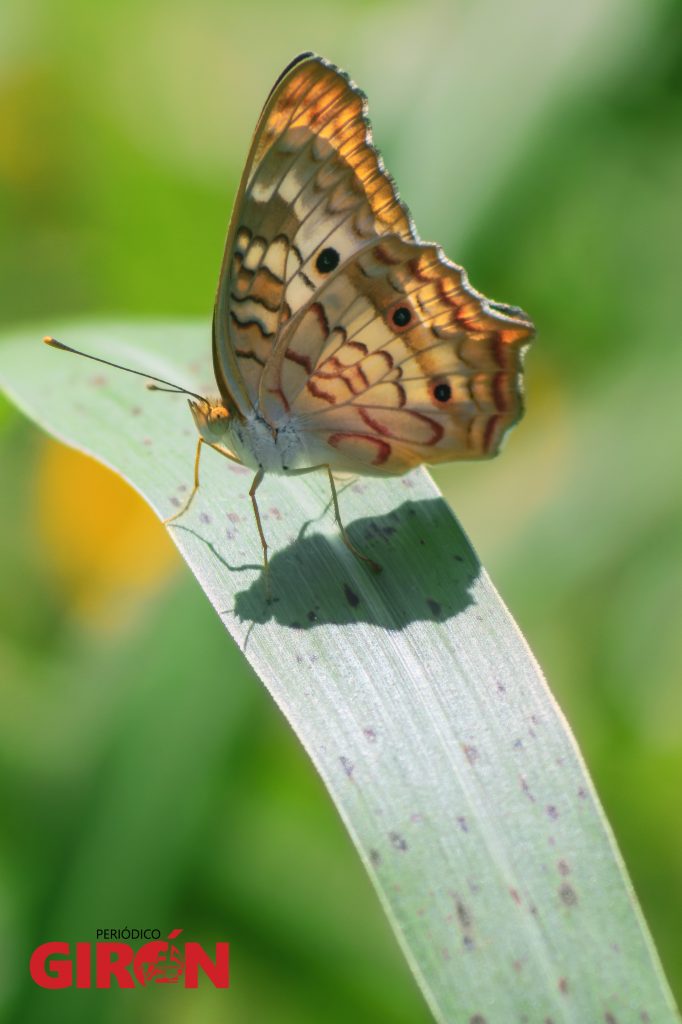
{"x":442,"y":392}
{"x":327,"y":261}
{"x":402,"y":316}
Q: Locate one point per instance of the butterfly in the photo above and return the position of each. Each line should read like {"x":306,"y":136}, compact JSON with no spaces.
{"x":341,"y":341}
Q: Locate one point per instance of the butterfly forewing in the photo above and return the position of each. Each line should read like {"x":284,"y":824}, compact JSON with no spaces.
{"x":314,"y":191}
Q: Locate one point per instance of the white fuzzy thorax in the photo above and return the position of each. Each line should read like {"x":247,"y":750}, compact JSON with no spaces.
{"x":285,"y":450}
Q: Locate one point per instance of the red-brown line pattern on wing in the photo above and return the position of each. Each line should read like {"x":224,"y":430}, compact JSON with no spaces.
{"x":378,"y":450}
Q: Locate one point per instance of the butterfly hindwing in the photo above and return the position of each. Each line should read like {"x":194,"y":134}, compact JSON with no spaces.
{"x":397,"y":361}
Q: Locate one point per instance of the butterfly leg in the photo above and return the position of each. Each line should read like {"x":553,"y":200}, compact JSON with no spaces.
{"x":257,"y":481}
{"x":346,"y":539}
{"x":194,"y":489}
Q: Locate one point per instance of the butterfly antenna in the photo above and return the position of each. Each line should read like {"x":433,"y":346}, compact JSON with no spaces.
{"x":172,"y":388}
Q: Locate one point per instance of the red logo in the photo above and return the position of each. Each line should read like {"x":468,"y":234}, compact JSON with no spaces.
{"x":55,"y":965}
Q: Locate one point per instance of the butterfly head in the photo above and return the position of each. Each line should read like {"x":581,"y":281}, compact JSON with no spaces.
{"x":212,"y":419}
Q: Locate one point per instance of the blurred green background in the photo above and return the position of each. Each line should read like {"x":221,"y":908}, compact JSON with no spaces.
{"x":146,"y":780}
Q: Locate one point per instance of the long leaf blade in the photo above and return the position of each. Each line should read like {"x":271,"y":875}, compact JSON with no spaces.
{"x":413,"y":692}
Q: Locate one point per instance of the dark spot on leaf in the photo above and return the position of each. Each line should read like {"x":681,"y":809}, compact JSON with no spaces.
{"x":434,"y":606}
{"x":136,"y":411}
{"x":175,"y":501}
{"x":463,"y":915}
{"x":568,"y":895}
{"x":470,"y":752}
{"x":375,"y":857}
{"x":312,"y":616}
{"x":205,"y":518}
{"x":582,"y":794}
{"x":397,"y":841}
{"x":462,"y":822}
{"x":552,"y":812}
{"x":526,"y":789}
{"x":296,"y":625}
{"x":347,"y":766}
{"x":563,"y":986}
{"x":477,"y":1018}
{"x":563,"y":868}
{"x":468,"y":942}
{"x":370,"y":734}
{"x":515,"y":896}
{"x":609,"y":1018}
{"x":351,"y":596}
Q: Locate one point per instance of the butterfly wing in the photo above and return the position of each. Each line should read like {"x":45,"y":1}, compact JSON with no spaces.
{"x":313,"y":182}
{"x":396,"y":361}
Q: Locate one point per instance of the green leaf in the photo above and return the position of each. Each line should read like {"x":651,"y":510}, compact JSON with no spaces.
{"x":413,"y":692}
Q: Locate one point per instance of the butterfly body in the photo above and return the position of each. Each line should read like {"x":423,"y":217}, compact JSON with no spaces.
{"x":341,"y":340}
{"x":257,"y":443}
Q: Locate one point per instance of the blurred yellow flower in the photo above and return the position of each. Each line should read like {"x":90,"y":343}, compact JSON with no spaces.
{"x":104,"y":545}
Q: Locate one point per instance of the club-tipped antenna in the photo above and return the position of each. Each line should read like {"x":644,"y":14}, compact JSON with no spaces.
{"x":173,"y":388}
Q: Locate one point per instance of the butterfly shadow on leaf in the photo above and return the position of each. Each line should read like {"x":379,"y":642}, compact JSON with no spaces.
{"x":428,"y":569}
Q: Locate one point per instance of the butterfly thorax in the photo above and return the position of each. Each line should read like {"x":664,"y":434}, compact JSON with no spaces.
{"x":279,"y":449}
